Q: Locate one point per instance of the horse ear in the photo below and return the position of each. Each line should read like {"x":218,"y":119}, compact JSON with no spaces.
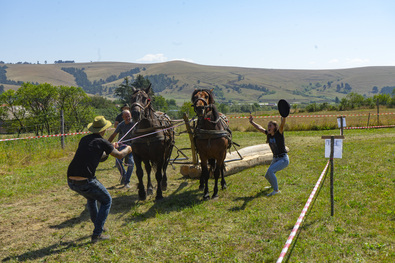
{"x":148,"y":89}
{"x":211,"y":99}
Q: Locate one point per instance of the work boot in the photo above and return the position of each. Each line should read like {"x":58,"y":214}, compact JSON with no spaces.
{"x":123,"y":180}
{"x":100,"y":237}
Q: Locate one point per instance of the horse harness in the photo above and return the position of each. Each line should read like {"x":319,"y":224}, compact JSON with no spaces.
{"x":160,"y":118}
{"x":204,"y":134}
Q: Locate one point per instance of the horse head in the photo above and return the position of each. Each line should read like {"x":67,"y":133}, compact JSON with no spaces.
{"x":140,"y":103}
{"x":202,"y":100}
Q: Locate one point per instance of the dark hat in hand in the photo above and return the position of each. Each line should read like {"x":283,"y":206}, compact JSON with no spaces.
{"x":283,"y":108}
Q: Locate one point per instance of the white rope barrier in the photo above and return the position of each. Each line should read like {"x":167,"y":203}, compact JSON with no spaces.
{"x":300,"y":219}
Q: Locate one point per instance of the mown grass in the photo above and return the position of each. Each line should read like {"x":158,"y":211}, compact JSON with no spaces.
{"x":41,"y":219}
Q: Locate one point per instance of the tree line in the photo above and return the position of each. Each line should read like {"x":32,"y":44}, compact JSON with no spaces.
{"x":353,"y":101}
{"x":37,"y":108}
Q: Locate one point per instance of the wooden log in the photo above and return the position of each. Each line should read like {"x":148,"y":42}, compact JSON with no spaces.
{"x":253,"y":155}
{"x":247,"y":162}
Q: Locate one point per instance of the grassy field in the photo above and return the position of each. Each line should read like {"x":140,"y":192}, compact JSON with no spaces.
{"x":42,"y":220}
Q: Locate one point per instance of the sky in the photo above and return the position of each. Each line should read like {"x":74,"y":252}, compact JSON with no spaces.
{"x":276,"y":34}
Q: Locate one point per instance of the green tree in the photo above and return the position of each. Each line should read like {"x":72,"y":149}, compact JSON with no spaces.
{"x":125,"y":91}
{"x":222,"y":107}
{"x":160,"y":104}
{"x":355,"y":100}
{"x":12,"y":110}
{"x":104,"y":107}
{"x":186,"y":108}
{"x":39,"y":101}
{"x":141,"y":82}
{"x":344,"y":104}
{"x":384,"y":99}
{"x":171,"y":102}
{"x":75,"y":105}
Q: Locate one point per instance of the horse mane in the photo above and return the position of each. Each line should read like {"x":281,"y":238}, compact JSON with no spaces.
{"x":209,"y":92}
{"x":214,"y":112}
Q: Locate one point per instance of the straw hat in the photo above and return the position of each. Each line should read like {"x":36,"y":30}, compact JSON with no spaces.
{"x":99,"y":124}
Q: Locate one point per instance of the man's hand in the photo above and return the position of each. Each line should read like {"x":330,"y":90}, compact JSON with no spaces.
{"x":129,"y":149}
{"x":116,"y":145}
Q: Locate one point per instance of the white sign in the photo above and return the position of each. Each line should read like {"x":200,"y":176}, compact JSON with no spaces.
{"x":337,"y":148}
{"x":339,"y":123}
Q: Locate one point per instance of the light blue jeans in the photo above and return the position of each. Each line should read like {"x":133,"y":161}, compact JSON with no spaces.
{"x":277,"y":165}
{"x":126,"y":174}
{"x":95,"y":192}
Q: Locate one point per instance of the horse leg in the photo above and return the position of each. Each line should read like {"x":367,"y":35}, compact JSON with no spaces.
{"x":140,"y":173}
{"x":204,"y":178}
{"x":150,"y":188}
{"x":165,"y":164}
{"x":164,"y":179}
{"x":223,"y":182}
{"x":163,"y":182}
{"x":201,"y":180}
{"x":159,"y":178}
{"x":216,"y":177}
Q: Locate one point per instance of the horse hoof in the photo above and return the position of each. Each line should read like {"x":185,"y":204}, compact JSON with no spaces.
{"x":150,"y":191}
{"x":206,"y":197}
{"x":158,"y":198}
{"x":224,"y":187}
{"x":201,"y":187}
{"x":142,"y":195}
{"x":214,"y":197}
{"x":164,"y":187}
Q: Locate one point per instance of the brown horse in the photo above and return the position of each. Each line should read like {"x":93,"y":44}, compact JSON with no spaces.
{"x":212,"y":138}
{"x":154,"y":143}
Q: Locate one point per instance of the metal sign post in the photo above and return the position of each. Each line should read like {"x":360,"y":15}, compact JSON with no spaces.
{"x":332,"y":155}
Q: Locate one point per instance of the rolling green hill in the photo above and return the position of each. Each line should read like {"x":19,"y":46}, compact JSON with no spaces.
{"x":177,"y":80}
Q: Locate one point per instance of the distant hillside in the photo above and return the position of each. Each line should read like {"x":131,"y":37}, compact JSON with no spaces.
{"x":177,"y":80}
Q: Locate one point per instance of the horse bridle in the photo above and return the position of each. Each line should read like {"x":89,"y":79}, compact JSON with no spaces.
{"x":205,"y":106}
{"x":143,"y":108}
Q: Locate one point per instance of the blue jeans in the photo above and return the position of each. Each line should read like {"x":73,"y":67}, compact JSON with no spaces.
{"x":95,"y":192}
{"x":276,"y":165}
{"x":126,"y":174}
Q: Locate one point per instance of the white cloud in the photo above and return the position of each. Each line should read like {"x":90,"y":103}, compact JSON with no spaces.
{"x":153,"y":58}
{"x":183,"y":59}
{"x":333,"y":61}
{"x":357,"y":61}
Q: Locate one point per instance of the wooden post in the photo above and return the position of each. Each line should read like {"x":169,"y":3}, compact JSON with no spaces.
{"x":341,"y":124}
{"x":368,"y":120}
{"x":189,"y":130}
{"x":62,"y":129}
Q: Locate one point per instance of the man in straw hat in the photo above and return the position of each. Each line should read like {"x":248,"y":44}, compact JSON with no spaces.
{"x":81,"y":173}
